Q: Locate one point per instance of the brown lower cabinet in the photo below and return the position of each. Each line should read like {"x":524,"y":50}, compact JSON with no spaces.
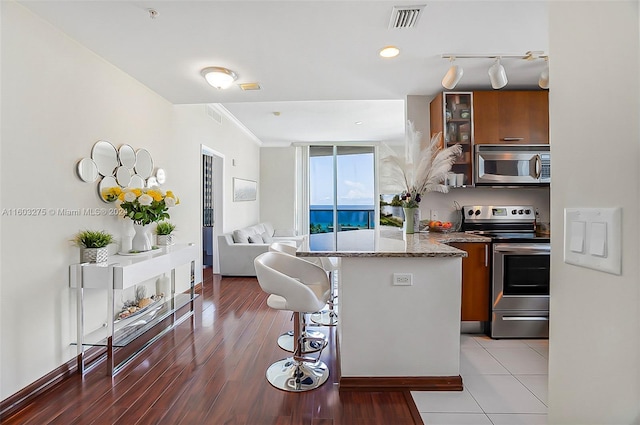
{"x":476,"y":288}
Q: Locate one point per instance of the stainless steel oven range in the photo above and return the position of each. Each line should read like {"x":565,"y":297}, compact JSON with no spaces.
{"x":519,"y":269}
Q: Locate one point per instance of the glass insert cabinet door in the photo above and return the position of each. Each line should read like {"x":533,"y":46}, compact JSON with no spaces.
{"x":458,"y":119}
{"x":341,"y":198}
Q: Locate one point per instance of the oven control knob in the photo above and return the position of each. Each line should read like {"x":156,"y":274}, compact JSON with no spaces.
{"x":527,"y":212}
{"x":520,"y":212}
{"x":514,"y":212}
{"x":477,"y":212}
{"x":470,"y":212}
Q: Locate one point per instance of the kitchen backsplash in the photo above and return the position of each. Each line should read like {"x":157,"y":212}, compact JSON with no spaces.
{"x":443,"y":203}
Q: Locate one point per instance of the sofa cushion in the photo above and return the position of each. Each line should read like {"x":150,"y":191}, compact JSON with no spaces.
{"x":266,"y":237}
{"x":240,"y":236}
{"x":256,"y":229}
{"x":268,"y":228}
{"x":255,"y":239}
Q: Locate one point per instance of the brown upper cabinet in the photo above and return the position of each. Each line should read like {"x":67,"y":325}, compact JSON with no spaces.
{"x":517,"y":117}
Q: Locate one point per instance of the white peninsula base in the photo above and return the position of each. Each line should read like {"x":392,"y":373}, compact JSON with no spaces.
{"x":400,"y":336}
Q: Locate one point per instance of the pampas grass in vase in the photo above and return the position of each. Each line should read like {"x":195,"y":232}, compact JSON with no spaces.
{"x":420,"y":170}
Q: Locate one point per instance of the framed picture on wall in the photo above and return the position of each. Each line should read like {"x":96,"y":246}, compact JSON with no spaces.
{"x":244,"y":190}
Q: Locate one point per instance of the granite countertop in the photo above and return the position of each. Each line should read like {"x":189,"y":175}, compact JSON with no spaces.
{"x":394,"y":243}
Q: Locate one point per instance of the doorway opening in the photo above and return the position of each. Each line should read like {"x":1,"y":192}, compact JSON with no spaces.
{"x":212,"y":184}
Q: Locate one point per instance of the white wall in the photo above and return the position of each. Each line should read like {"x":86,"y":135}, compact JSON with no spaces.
{"x":58,"y":99}
{"x":278,"y":186}
{"x":193,"y":127}
{"x":594,"y":350}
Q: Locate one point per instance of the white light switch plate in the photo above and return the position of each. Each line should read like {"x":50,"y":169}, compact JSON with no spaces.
{"x":593,"y":238}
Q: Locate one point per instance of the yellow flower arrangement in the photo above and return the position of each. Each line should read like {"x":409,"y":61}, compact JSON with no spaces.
{"x":142,"y":205}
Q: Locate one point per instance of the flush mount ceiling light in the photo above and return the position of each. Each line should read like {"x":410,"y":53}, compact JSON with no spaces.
{"x":497,"y":73}
{"x":218,"y":77}
{"x":389,"y":52}
{"x":453,"y":75}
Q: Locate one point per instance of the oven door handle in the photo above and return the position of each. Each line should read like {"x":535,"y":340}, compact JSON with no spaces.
{"x":523,"y":248}
{"x":523,"y":318}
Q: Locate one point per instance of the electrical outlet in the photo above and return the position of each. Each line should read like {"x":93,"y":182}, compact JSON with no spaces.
{"x":434,"y":215}
{"x":402,"y":279}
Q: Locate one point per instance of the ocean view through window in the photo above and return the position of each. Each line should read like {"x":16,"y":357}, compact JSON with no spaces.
{"x":341,"y":194}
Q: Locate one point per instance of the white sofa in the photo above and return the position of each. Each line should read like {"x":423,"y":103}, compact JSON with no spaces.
{"x":239,"y":248}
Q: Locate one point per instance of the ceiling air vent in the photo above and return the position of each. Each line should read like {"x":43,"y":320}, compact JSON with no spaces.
{"x":217,"y":117}
{"x":405,"y":16}
{"x":249,"y":86}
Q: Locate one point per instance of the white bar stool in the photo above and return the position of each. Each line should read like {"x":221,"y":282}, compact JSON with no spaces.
{"x":299,"y":286}
{"x":286,"y":340}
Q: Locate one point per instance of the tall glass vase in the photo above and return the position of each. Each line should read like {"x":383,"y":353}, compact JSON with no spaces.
{"x":409,"y":220}
{"x":142,"y":239}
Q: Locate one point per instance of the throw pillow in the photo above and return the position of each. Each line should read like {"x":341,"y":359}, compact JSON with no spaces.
{"x":256,"y":229}
{"x":240,"y":236}
{"x":255,"y":239}
{"x":268,"y":228}
{"x":266,"y":237}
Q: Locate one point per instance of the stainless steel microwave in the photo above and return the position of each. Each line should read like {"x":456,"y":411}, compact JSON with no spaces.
{"x":505,"y":165}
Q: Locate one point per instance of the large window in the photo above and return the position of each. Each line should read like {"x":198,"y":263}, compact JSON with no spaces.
{"x":341,"y":197}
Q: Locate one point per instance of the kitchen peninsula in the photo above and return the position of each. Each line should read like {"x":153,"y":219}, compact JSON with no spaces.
{"x":400,"y":336}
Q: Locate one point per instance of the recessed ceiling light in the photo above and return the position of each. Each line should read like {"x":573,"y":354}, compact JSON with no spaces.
{"x":389,"y":52}
{"x":358,"y":122}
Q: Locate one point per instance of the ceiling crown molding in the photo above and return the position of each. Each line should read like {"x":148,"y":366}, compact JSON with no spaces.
{"x":224,"y":111}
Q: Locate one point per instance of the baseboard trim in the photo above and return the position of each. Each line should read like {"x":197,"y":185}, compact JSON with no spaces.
{"x":19,"y":400}
{"x":401,"y":383}
{"x":93,"y":357}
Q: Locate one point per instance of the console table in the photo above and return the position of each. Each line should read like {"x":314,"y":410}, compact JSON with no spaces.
{"x":124,"y":271}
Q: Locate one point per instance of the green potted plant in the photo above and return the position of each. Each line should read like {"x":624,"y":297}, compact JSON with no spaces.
{"x":93,"y":245}
{"x":163,"y":233}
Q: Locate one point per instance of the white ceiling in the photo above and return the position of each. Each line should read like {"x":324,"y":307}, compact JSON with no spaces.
{"x":316,"y":61}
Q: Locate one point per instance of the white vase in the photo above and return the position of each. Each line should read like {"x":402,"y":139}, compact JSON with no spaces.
{"x":142,"y":239}
{"x":127,"y":235}
{"x":163,"y":286}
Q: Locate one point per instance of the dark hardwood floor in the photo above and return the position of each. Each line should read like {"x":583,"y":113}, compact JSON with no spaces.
{"x":215,"y":375}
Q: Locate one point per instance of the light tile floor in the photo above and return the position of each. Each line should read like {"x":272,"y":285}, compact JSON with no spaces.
{"x":505,"y":383}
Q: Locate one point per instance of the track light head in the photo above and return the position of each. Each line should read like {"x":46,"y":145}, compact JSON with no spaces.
{"x":453,"y":76}
{"x":543,"y":81}
{"x":497,"y":75}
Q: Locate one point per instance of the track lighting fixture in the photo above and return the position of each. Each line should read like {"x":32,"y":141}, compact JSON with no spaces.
{"x":497,"y":75}
{"x":453,"y":75}
{"x":543,"y":81}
